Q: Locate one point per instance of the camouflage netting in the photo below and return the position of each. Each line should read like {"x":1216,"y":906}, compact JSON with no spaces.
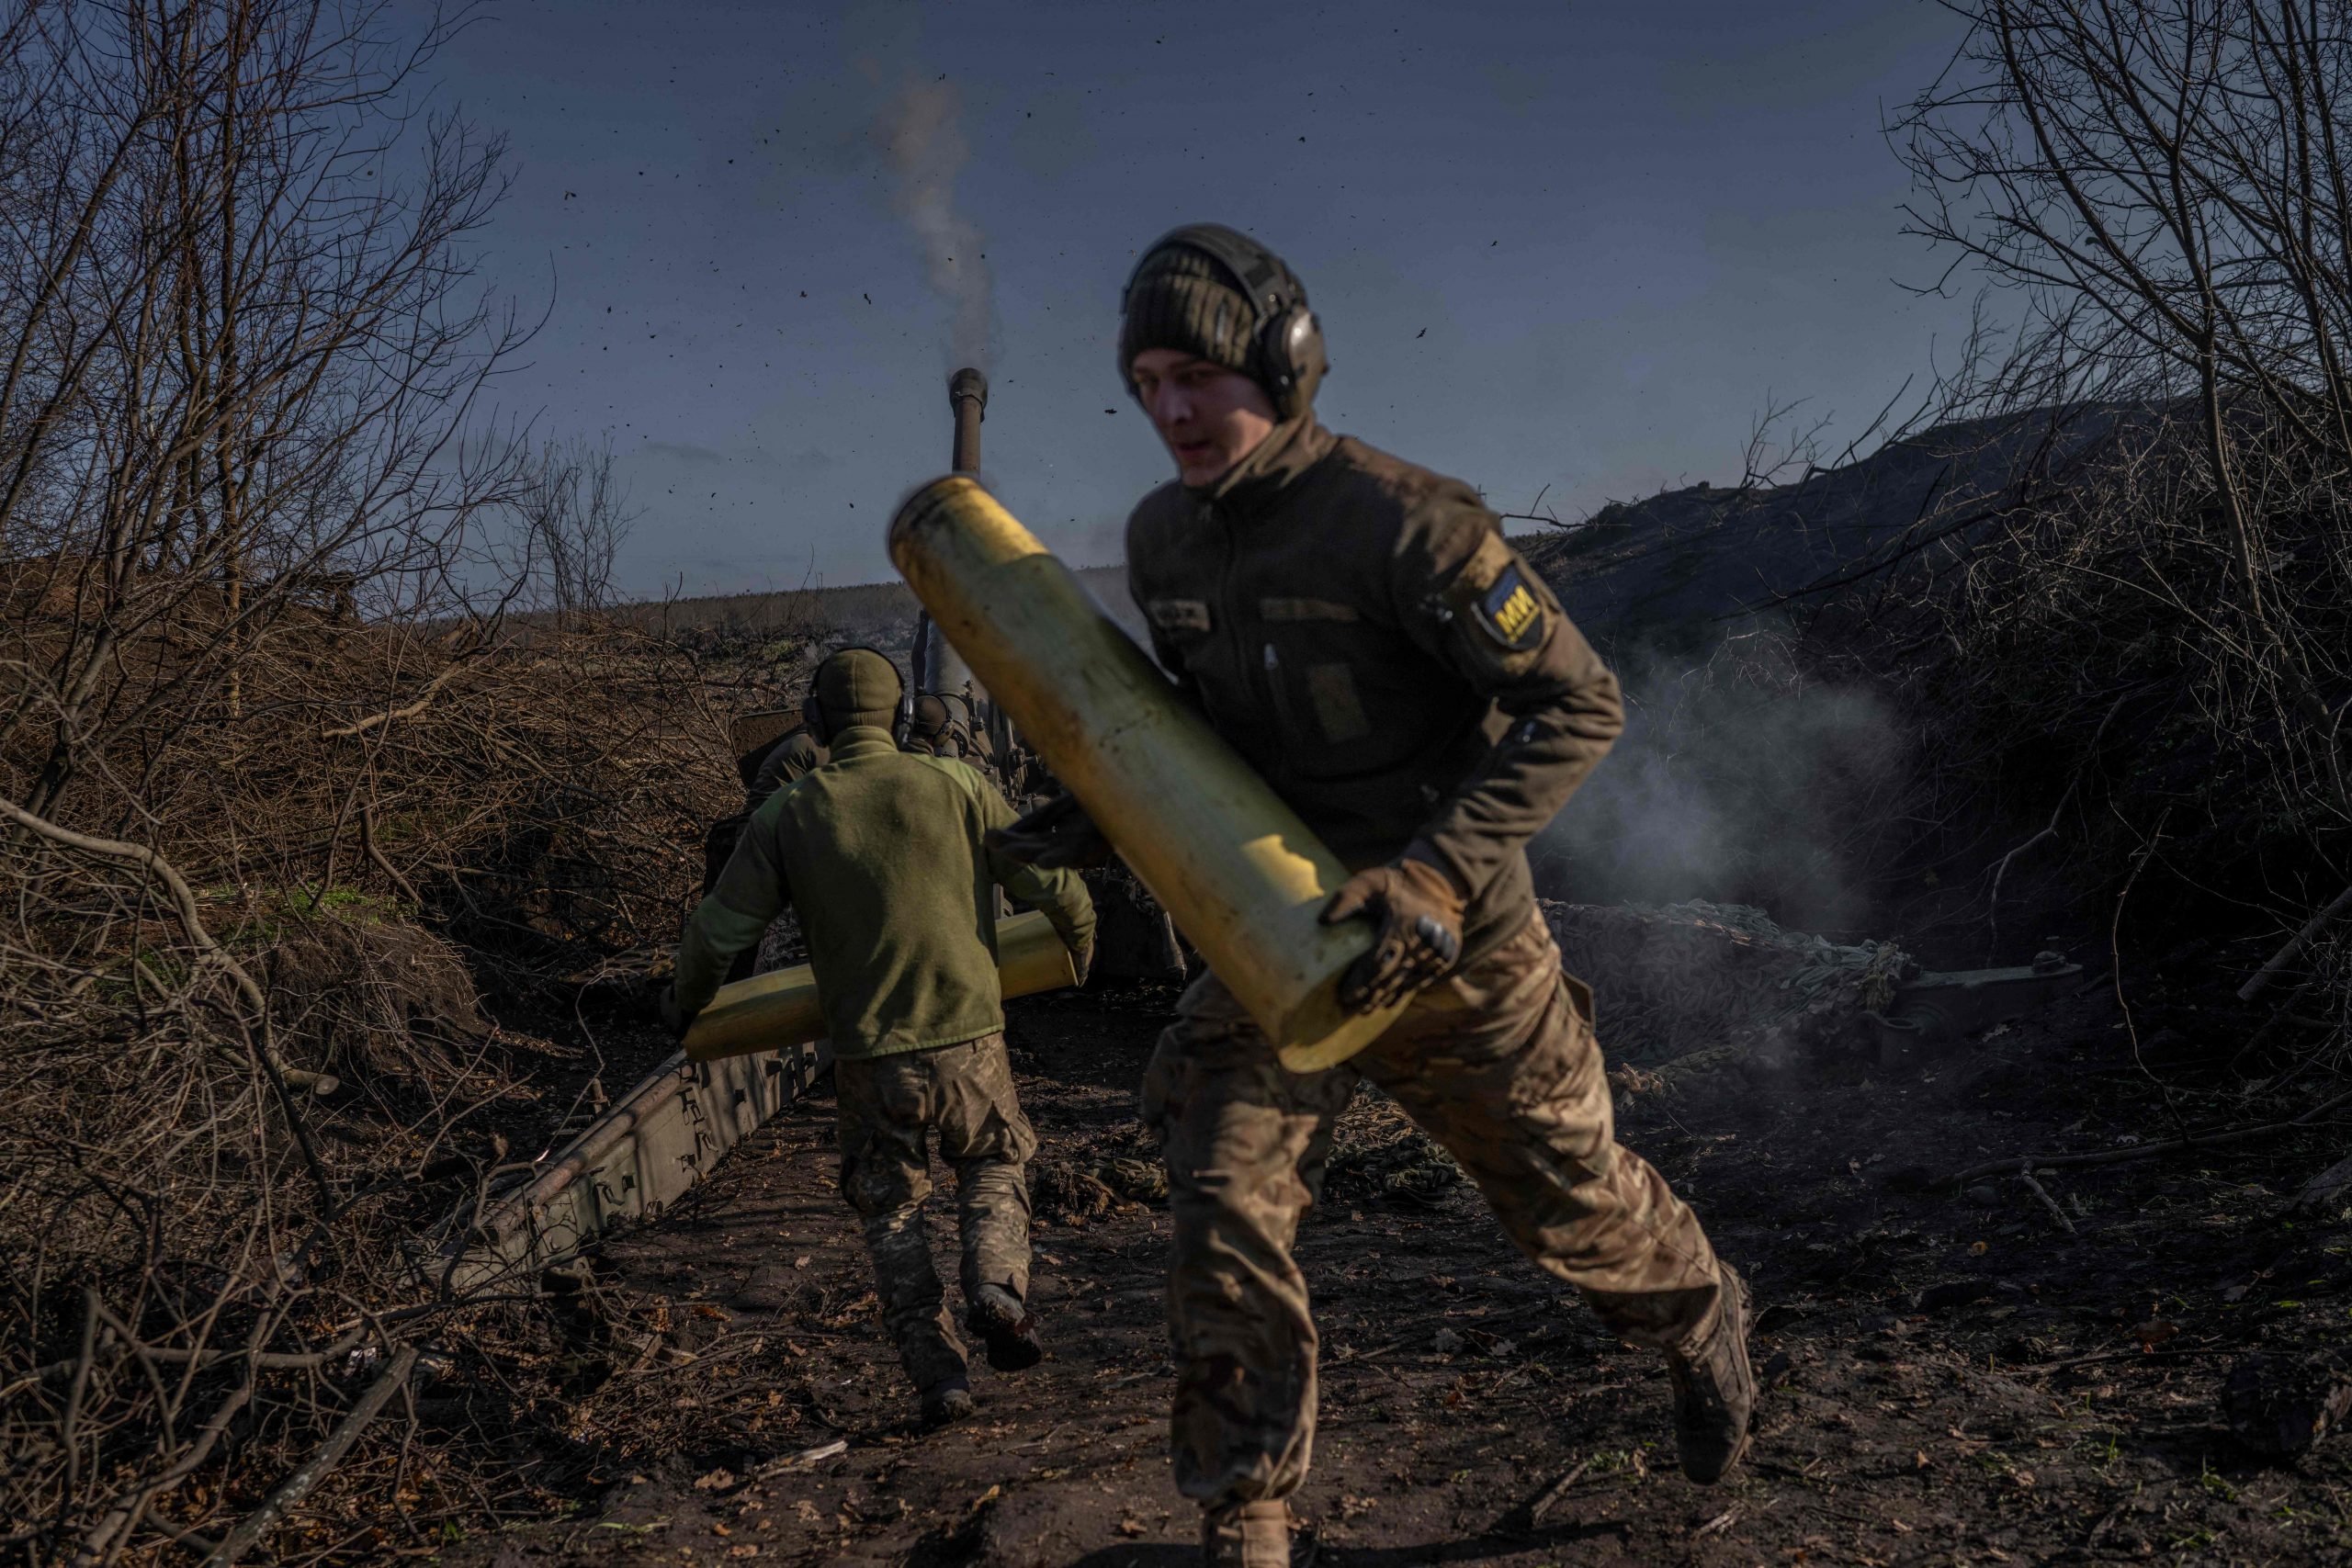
{"x":1672,"y":982}
{"x":1088,"y":1177}
{"x":1377,"y":1153}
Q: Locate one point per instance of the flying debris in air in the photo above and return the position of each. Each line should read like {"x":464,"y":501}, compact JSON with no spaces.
{"x":867,"y":298}
{"x":1423,"y":333}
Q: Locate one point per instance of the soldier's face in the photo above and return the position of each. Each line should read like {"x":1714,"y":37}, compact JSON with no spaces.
{"x":1210,"y":417}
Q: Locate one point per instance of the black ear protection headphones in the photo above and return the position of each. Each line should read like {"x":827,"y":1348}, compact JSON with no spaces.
{"x":812,"y":712}
{"x":1286,"y":343}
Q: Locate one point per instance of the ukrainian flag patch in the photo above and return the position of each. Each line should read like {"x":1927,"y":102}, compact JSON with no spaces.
{"x":1510,"y":612}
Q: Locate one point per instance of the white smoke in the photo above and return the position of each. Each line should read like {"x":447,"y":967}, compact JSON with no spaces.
{"x":922,"y":133}
{"x":1736,"y":780}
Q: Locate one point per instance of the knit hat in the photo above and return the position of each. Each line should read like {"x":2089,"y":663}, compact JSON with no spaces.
{"x":856,"y":687}
{"x":1184,"y":300}
{"x":929,"y":721}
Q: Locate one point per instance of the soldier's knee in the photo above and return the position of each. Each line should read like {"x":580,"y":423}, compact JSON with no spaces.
{"x":997,"y":1182}
{"x":1217,"y":1379}
{"x":1005,"y":1138}
{"x":1219,"y":1234}
{"x":876,"y":1186}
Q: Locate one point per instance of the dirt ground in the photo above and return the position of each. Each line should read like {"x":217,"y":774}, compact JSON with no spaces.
{"x":1954,"y":1375}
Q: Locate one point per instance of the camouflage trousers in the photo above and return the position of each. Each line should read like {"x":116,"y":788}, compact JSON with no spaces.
{"x":1498,"y":1063}
{"x":888,"y":1108}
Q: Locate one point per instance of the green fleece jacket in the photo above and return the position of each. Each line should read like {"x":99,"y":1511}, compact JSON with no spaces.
{"x":881,"y":851}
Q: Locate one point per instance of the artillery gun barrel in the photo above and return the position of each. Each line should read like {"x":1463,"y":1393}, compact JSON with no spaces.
{"x":938,"y":670}
{"x":968,"y":394}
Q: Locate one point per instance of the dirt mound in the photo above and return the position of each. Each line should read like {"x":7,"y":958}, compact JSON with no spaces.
{"x":1686,"y":978}
{"x":373,"y":999}
{"x":1378,"y":1155}
{"x":1678,"y":568}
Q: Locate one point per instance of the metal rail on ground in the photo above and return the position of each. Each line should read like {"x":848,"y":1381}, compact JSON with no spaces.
{"x":643,"y":1154}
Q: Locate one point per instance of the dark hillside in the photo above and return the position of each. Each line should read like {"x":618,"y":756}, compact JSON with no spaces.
{"x":821,"y":611}
{"x":1679,"y":571}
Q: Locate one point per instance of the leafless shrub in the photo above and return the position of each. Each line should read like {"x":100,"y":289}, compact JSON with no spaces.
{"x":241,"y":353}
{"x":2162,"y":192}
{"x":197,"y":1289}
{"x":160,"y":1159}
{"x":574,"y":515}
{"x":258,"y":732}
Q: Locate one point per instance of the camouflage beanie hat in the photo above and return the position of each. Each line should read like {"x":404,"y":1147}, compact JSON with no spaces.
{"x":1184,"y":300}
{"x":859,"y":685}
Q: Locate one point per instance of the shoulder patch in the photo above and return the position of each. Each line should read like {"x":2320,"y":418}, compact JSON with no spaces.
{"x":1510,"y":612}
{"x":1179,"y":615}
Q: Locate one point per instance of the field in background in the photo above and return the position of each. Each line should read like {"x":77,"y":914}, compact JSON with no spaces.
{"x":826,"y":612}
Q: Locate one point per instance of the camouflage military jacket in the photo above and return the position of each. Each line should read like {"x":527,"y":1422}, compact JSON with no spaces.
{"x":1357,"y":629}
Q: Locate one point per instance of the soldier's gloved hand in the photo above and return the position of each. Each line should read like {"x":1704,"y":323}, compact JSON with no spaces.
{"x":1057,"y":836}
{"x":1419,"y":911}
{"x":671,"y":1019}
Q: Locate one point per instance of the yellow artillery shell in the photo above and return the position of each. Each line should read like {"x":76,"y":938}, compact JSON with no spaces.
{"x":1243,"y":876}
{"x":778,"y":1010}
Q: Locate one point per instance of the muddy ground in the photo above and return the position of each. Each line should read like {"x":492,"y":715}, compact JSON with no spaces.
{"x":1953,"y":1375}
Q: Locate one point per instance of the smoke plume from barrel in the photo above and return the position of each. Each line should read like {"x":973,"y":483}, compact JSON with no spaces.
{"x":922,"y":130}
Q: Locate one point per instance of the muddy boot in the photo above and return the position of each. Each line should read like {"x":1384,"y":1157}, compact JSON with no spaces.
{"x":1008,"y":1328}
{"x":1715,"y":1391}
{"x":945,"y":1402}
{"x":1254,"y":1535}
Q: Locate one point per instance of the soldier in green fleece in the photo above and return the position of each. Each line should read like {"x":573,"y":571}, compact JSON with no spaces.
{"x":880,"y":851}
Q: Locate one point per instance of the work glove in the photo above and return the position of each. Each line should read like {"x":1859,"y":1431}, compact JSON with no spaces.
{"x":1057,"y":835}
{"x":1420,"y":932}
{"x":1082,"y":960}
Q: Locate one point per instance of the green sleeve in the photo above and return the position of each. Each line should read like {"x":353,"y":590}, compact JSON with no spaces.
{"x":1059,"y":894}
{"x":751,"y":892}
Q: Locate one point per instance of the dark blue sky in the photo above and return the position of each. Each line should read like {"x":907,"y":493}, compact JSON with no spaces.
{"x":1552,"y":244}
